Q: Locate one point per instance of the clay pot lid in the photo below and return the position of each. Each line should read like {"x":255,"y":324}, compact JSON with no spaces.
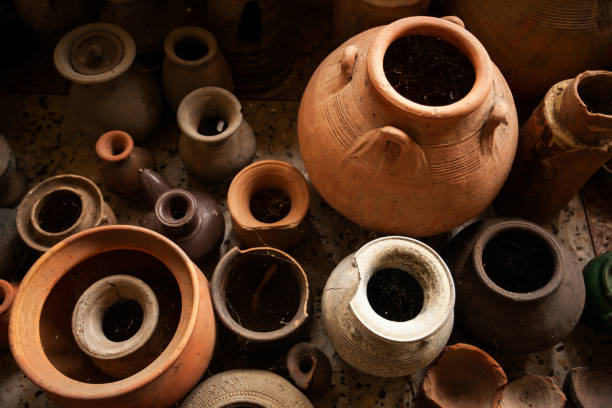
{"x":8,"y":295}
{"x":530,"y":391}
{"x":194,"y":33}
{"x":589,"y":386}
{"x":114,"y":146}
{"x":94,"y":53}
{"x":463,"y":376}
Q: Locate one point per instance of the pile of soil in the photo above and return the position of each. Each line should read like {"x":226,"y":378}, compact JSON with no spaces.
{"x":395,"y":294}
{"x":270,"y":205}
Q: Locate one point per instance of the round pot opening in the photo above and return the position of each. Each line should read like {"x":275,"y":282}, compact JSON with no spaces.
{"x":262,"y":292}
{"x":595,"y":93}
{"x":428,"y":70}
{"x":518,"y":261}
{"x":270,"y":205}
{"x":118,"y":145}
{"x":191,"y":49}
{"x":122,"y":320}
{"x":2,"y":296}
{"x":176,"y":208}
{"x":212,"y":125}
{"x":395,"y":294}
{"x":59,"y":210}
{"x":306,"y":364}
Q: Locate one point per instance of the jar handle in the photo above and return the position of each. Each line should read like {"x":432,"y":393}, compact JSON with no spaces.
{"x":347,"y":63}
{"x":497,"y":116}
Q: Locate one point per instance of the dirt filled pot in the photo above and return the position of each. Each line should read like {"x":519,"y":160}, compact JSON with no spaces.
{"x":7,"y":297}
{"x":12,"y":181}
{"x":566,"y":140}
{"x":107,"y":91}
{"x":58,"y":207}
{"x":216,"y":141}
{"x":192,"y":61}
{"x":598,"y":282}
{"x":122,"y":162}
{"x":246,"y":287}
{"x":246,"y":388}
{"x":587,"y":387}
{"x":41,"y":335}
{"x":12,"y":248}
{"x":530,"y":391}
{"x":388,"y":308}
{"x":431,"y":139}
{"x":269,"y":201}
{"x":515,"y":269}
{"x":309,"y":369}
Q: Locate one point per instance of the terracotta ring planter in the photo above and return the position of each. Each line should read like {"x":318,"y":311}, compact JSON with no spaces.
{"x":286,"y":228}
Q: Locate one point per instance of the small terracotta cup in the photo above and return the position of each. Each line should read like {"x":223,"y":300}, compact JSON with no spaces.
{"x":530,"y":391}
{"x":276,"y":177}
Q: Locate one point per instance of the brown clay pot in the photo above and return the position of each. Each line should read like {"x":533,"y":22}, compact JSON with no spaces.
{"x":269,"y":201}
{"x":529,"y":392}
{"x":309,"y":369}
{"x":12,"y":249}
{"x":538,"y":43}
{"x":354,"y":16}
{"x":7,"y":296}
{"x":12,"y":181}
{"x":588,"y":387}
{"x":58,"y":207}
{"x":515,"y":269}
{"x":122,"y":162}
{"x":566,"y":140}
{"x":192,"y":61}
{"x":463,"y":376}
{"x":445,"y":163}
{"x":40,"y":331}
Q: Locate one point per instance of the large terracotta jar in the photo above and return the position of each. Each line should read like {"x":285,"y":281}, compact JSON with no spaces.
{"x":41,"y":327}
{"x":519,"y":288}
{"x":388,"y":308}
{"x":418,"y":164}
{"x":536,"y":43}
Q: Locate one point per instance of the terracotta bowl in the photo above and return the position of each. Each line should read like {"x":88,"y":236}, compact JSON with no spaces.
{"x":587,"y":387}
{"x":530,"y":391}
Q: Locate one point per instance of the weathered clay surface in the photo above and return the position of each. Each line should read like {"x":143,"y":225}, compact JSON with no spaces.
{"x":587,"y":387}
{"x":529,"y":392}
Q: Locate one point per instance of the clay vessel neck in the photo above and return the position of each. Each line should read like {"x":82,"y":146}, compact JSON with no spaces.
{"x":177,"y":212}
{"x":190,"y":47}
{"x":115,"y":147}
{"x":153,"y":185}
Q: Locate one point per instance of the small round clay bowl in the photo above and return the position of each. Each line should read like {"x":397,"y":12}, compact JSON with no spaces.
{"x":531,"y":391}
{"x":589,"y":387}
{"x":463,"y":376}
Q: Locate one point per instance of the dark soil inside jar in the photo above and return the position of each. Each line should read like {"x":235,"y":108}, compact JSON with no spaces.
{"x":59,"y":211}
{"x":395,"y":294}
{"x":428,"y":70}
{"x":178,"y":207}
{"x":262,"y":293}
{"x":518,"y":261}
{"x":191,"y":49}
{"x":270,"y":205}
{"x":122,"y":320}
{"x":595,"y":93}
{"x":212,"y":126}
{"x":306,"y":364}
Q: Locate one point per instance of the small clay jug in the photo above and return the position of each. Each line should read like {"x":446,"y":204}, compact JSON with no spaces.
{"x":309,"y":369}
{"x":463,"y":376}
{"x":192,"y":219}
{"x":7,"y":296}
{"x":51,"y":292}
{"x":122,"y":162}
{"x":107,"y":91}
{"x":58,"y":207}
{"x":588,"y":387}
{"x":216,"y":141}
{"x":192,"y":61}
{"x":519,"y":288}
{"x":12,"y":248}
{"x":269,"y":201}
{"x":388,"y":308}
{"x":54,"y":18}
{"x":598,"y":282}
{"x":245,"y":289}
{"x":529,"y":392}
{"x":12,"y":181}
{"x":246,"y":388}
{"x":566,"y":140}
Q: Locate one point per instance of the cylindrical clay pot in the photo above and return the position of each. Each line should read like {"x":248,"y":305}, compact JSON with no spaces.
{"x":519,"y":288}
{"x":12,"y":248}
{"x":12,"y":181}
{"x":269,"y":201}
{"x":7,"y":296}
{"x":598,"y":282}
{"x":107,"y":91}
{"x":192,"y":61}
{"x":566,"y":140}
{"x":122,"y":162}
{"x":216,"y":141}
{"x":388,"y":308}
{"x":429,"y":144}
{"x":41,"y":335}
{"x":58,"y":207}
{"x":246,"y":388}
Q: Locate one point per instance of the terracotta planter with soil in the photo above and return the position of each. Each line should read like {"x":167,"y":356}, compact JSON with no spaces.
{"x":309,"y":369}
{"x":269,"y":201}
{"x":12,"y":181}
{"x":530,"y":391}
{"x":418,"y":136}
{"x":515,"y":269}
{"x":41,"y":327}
{"x":7,"y":297}
{"x":587,"y":387}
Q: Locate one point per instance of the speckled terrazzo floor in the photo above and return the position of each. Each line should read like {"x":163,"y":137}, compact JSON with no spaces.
{"x":34,"y":118}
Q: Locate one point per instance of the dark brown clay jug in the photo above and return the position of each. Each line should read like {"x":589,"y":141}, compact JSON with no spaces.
{"x":519,"y":288}
{"x":588,"y":387}
{"x":7,"y":296}
{"x":12,"y":181}
{"x":309,"y":369}
{"x":122,"y":162}
{"x":192,"y":219}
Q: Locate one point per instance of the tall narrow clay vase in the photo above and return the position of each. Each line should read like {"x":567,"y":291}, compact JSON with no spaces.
{"x":12,"y":181}
{"x":12,"y":248}
{"x":58,"y":207}
{"x":429,"y":168}
{"x":107,"y":91}
{"x":40,"y":331}
{"x":519,"y":288}
{"x":566,"y":140}
{"x":216,"y":141}
{"x":598,"y":281}
{"x":278,"y":194}
{"x":587,"y":387}
{"x":122,"y":162}
{"x":7,"y":296}
{"x":367,"y":340}
{"x":192,"y":61}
